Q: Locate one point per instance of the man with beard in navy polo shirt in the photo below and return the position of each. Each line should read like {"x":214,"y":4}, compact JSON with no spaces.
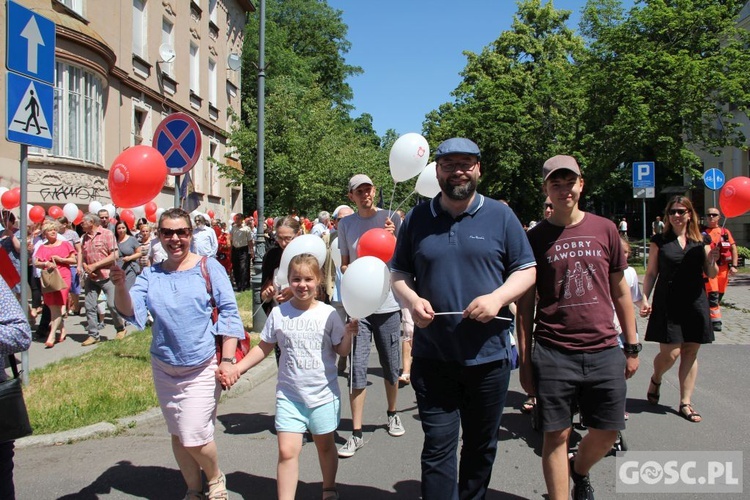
{"x":466,"y":255}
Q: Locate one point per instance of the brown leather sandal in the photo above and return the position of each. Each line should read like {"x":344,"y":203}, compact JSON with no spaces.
{"x":688,"y":413}
{"x":653,"y":397}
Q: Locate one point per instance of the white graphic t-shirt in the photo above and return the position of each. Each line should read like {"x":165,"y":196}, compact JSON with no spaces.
{"x":307,"y":367}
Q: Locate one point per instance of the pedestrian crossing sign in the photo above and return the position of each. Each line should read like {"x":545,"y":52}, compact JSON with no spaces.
{"x":30,"y":107}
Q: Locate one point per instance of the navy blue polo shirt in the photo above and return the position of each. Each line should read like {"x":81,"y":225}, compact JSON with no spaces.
{"x":455,"y":260}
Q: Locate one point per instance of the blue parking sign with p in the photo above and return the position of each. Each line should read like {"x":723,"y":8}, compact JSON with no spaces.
{"x":644,"y":174}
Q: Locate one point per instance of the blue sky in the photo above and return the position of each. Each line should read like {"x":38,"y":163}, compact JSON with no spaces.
{"x":411,"y":51}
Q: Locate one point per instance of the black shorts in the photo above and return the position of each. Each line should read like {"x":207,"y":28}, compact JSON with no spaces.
{"x":594,"y":381}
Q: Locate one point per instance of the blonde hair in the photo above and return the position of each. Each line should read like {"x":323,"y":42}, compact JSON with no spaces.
{"x":305,"y":260}
{"x":50,"y":225}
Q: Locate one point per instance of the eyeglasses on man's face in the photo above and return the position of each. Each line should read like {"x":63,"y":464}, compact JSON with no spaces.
{"x":452,"y":166}
{"x":181,"y":232}
{"x":677,"y":211}
{"x":712,"y":215}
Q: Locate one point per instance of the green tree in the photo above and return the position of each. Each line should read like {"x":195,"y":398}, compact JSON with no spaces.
{"x":520,"y":101}
{"x":661,"y":82}
{"x":311,"y":144}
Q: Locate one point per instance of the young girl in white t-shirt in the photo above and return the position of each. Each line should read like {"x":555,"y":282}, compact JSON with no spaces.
{"x":310,"y":334}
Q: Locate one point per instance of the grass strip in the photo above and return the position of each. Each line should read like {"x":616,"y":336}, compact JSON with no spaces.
{"x":110,"y":382}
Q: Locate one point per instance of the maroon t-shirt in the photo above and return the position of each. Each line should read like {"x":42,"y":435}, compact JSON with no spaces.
{"x":574,"y":311}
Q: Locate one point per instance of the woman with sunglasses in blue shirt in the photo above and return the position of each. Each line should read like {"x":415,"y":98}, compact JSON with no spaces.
{"x":183,"y":349}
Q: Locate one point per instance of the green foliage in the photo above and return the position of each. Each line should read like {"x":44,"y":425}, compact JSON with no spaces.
{"x":111,"y":382}
{"x":743,"y":252}
{"x":520,"y":101}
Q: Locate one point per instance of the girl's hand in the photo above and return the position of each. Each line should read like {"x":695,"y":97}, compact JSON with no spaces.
{"x":284,"y":295}
{"x":352,"y":327}
{"x":645,"y":309}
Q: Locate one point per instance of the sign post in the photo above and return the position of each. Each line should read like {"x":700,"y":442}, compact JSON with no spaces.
{"x":714,"y":179}
{"x":644,"y":184}
{"x":178,"y":139}
{"x":29,"y":105}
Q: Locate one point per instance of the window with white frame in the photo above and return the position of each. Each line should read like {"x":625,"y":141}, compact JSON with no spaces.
{"x":212,"y":83}
{"x":79,"y":115}
{"x":140,"y":42}
{"x":74,"y":5}
{"x":141,"y":126}
{"x":167,"y":38}
{"x":195,"y":75}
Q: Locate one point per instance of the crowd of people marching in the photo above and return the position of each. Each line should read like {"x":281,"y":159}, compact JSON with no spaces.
{"x":463,"y":272}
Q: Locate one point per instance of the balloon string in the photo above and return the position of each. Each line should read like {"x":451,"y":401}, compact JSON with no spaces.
{"x":407,"y":197}
{"x":393,"y":195}
{"x":461,"y":312}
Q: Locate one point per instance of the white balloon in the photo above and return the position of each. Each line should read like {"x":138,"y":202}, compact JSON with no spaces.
{"x":427,"y":183}
{"x":365,"y":286}
{"x":139,"y":212}
{"x":336,"y":252}
{"x":94,"y":207}
{"x":110,"y":208}
{"x":70,"y":211}
{"x":408,"y":156}
{"x":3,"y":190}
{"x":28,"y":209}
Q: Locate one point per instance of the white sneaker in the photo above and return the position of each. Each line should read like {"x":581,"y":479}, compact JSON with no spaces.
{"x":395,"y":428}
{"x":350,"y":448}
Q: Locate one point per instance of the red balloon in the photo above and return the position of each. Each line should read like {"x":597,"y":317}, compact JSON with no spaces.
{"x":151,"y":217}
{"x":128,"y":217}
{"x":269,"y":222}
{"x":377,"y":242}
{"x":150,"y":208}
{"x":11,"y":199}
{"x":734,"y":198}
{"x":211,"y":213}
{"x":36,"y":214}
{"x":55,"y":211}
{"x":79,"y":217}
{"x":112,"y":220}
{"x":137,"y":176}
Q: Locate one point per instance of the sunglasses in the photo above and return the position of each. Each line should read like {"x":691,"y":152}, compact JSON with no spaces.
{"x":181,"y":232}
{"x":712,"y":215}
{"x":677,"y":211}
{"x":548,"y":205}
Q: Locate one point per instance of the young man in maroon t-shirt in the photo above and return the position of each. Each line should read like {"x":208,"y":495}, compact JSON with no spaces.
{"x":580,"y":266}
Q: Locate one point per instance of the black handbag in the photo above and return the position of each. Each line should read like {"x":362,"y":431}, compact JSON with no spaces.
{"x":14,"y":419}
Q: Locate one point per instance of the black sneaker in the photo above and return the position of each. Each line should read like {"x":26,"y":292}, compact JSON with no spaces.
{"x":582,"y":489}
{"x":716,"y":326}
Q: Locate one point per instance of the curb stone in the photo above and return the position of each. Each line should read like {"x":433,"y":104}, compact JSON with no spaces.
{"x":262,"y":372}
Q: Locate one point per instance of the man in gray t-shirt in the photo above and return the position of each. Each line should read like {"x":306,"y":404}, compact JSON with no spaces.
{"x":384,"y":324}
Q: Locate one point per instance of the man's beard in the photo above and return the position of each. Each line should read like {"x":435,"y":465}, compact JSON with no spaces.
{"x":458,"y":192}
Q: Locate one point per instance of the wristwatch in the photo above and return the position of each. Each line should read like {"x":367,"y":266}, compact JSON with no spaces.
{"x":732,"y":266}
{"x":632,"y":348}
{"x":232,"y":360}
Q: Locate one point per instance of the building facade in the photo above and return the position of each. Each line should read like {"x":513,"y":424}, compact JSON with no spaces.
{"x":122,"y":66}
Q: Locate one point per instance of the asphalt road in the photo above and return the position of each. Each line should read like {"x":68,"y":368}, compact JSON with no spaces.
{"x":138,"y":462}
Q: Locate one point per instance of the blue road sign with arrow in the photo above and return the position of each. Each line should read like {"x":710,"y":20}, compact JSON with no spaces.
{"x":30,"y":43}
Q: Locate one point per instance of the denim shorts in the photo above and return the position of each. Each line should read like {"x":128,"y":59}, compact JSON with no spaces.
{"x":296,"y":417}
{"x":592,"y":381}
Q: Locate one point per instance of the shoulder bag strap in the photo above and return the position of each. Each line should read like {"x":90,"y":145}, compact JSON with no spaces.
{"x":13,"y":365}
{"x":207,"y":278}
